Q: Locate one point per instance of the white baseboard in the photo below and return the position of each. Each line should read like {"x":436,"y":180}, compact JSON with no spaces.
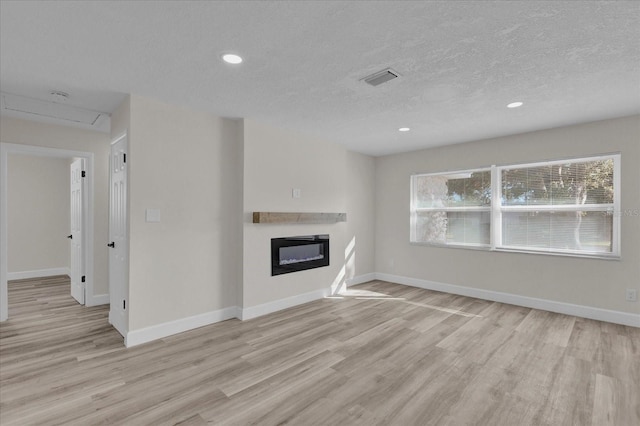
{"x":97,"y":299}
{"x":144,"y":335}
{"x":38,"y":273}
{"x":360,"y":279}
{"x":159,"y":331}
{"x":278,"y":305}
{"x":590,"y":312}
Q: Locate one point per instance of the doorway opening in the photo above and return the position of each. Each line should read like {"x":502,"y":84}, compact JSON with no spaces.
{"x":6,"y":150}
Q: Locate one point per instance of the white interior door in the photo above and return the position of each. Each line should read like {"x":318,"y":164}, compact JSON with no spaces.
{"x":118,"y":238}
{"x":77,"y":234}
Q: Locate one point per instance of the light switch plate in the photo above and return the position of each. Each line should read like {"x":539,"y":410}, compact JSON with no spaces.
{"x":153,"y":215}
{"x":296,"y":193}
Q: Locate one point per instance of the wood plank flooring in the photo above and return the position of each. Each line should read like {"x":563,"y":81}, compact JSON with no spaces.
{"x":382,"y":354}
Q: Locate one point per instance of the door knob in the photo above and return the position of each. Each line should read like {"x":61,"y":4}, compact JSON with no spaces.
{"x":111,"y":244}
{"x":70,"y":236}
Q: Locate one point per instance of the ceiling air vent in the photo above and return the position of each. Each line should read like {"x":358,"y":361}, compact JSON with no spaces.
{"x":381,"y":77}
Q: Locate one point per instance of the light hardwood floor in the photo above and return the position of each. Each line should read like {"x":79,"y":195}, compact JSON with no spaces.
{"x":384,"y":354}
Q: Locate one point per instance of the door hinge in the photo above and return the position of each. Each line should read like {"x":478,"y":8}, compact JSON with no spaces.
{"x":84,"y":174}
{"x":83,"y":278}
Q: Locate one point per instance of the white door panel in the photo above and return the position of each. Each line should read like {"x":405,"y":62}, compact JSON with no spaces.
{"x":77,"y":234}
{"x":118,"y":238}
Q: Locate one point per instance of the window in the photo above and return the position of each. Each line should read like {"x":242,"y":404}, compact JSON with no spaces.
{"x":452,"y":208}
{"x":561,"y":207}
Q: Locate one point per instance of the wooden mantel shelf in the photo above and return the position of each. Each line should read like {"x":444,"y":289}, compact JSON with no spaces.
{"x":282,"y":217}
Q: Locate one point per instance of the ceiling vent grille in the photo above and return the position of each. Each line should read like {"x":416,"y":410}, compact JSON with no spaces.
{"x":381,"y":77}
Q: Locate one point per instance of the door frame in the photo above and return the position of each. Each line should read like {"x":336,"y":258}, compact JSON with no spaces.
{"x":9,"y":148}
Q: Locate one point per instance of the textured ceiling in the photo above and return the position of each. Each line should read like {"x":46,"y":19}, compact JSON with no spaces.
{"x":460,"y":63}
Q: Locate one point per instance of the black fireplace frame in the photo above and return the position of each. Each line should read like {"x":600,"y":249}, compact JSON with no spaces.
{"x":277,"y":243}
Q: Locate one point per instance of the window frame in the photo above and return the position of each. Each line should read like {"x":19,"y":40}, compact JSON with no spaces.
{"x":415,"y":210}
{"x":497,"y":209}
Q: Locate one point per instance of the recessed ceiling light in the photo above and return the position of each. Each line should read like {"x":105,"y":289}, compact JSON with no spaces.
{"x":514,"y":105}
{"x":404,"y":129}
{"x":230,"y":58}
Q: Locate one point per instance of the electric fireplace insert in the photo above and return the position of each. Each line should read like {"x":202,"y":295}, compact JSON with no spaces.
{"x":292,"y":254}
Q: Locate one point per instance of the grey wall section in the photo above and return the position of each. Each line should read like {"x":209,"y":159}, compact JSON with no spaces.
{"x":205,"y":174}
{"x":588,"y":282}
{"x":26,"y":132}
{"x":275,"y":162}
{"x":360,"y":214}
{"x":182,"y":162}
{"x":331,"y":180}
{"x":38,"y":213}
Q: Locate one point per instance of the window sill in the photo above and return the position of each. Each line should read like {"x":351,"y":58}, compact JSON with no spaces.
{"x":601,"y":256}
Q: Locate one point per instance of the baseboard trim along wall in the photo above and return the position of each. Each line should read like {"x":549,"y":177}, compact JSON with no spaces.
{"x":278,"y":305}
{"x":599,"y":314}
{"x":147,"y":334}
{"x":38,"y":273}
{"x":159,"y":331}
{"x":360,"y":279}
{"x":97,"y":299}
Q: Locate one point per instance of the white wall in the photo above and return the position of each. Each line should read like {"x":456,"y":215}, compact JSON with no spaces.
{"x":38,"y":214}
{"x":202,"y":172}
{"x":587,"y":282}
{"x":206,"y":175}
{"x":275,"y":162}
{"x":331,"y":180}
{"x":360,"y":187}
{"x":184,"y":163}
{"x":17,"y":131}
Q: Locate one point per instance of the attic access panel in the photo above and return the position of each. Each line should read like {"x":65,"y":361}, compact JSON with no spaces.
{"x":54,"y":110}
